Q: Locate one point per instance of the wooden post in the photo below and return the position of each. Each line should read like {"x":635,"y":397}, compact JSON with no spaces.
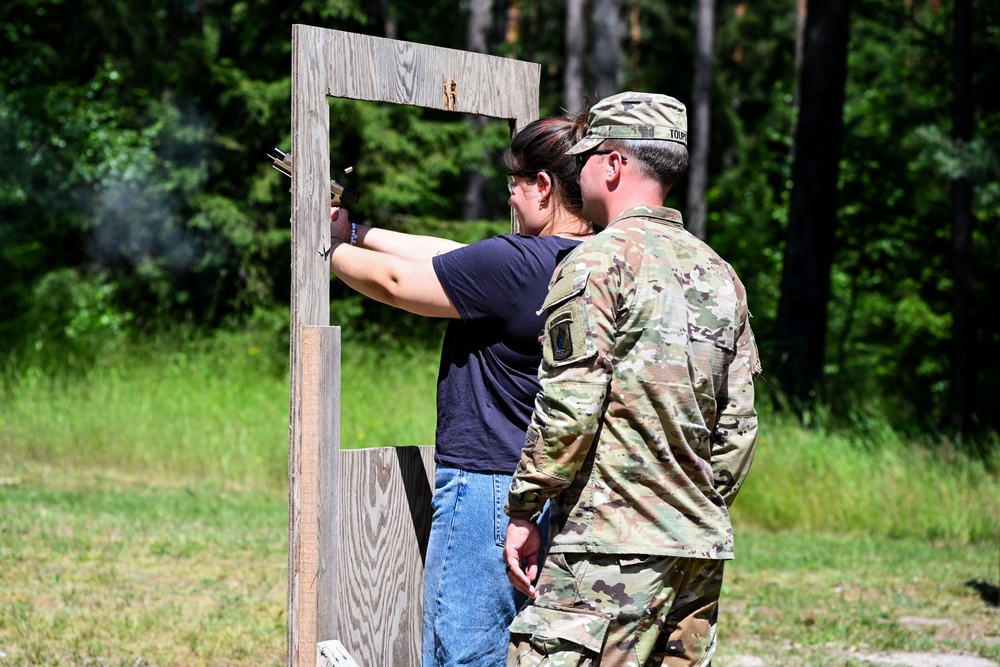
{"x":358,"y":520}
{"x":310,"y":307}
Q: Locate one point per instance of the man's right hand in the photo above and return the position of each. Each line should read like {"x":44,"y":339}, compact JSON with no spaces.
{"x":521,"y":552}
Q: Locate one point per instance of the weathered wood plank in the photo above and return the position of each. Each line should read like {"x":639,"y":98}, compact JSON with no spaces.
{"x":310,"y":305}
{"x":385,"y":520}
{"x":376,"y":69}
{"x":319,"y":446}
{"x":347,"y":577}
{"x":333,"y":654}
{"x":329,"y":511}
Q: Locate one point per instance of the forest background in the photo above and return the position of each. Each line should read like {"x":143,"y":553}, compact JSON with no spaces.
{"x":844,"y":160}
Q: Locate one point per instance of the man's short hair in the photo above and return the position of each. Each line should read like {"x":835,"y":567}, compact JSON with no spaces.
{"x":663,"y":161}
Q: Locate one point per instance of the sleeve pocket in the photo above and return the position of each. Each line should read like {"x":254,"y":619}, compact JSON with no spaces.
{"x":548,"y":626}
{"x":568,"y":286}
{"x":566,"y":338}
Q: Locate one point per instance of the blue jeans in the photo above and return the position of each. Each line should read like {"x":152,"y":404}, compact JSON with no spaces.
{"x":468,"y":600}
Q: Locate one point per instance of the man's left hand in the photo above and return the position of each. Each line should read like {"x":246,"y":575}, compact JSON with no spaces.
{"x":521,"y":552}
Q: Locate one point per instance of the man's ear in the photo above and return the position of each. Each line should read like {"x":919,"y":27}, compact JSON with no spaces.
{"x":614,"y":164}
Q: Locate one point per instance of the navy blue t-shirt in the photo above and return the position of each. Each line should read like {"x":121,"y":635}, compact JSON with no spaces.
{"x":489,"y":362}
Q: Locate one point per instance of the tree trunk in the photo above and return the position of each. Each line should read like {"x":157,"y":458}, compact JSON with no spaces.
{"x":801,"y":10}
{"x":701,"y":119}
{"x":576,"y":45}
{"x":512,"y":32}
{"x":812,"y":213}
{"x":475,"y":202}
{"x":634,"y":39}
{"x":963,"y":374}
{"x":606,"y":27}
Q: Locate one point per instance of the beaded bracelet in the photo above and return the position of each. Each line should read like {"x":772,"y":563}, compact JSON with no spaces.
{"x":354,"y":233}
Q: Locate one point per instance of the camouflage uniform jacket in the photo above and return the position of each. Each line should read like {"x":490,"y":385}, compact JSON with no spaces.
{"x":645,"y":426}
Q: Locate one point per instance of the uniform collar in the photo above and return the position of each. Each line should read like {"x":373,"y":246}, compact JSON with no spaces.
{"x":661,"y":214}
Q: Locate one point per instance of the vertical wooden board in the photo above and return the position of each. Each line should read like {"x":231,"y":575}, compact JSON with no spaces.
{"x":328,"y":515}
{"x":309,"y":306}
{"x":306,"y":558}
{"x":310,"y":183}
{"x":384,"y":525}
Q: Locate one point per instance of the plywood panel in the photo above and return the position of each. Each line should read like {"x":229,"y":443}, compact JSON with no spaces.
{"x":385,"y":521}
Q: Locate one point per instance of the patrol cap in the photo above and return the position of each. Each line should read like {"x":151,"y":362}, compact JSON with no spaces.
{"x":634,"y":116}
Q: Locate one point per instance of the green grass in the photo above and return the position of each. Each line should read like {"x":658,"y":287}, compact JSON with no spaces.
{"x":143,"y":517}
{"x":207,"y":410}
{"x":99,"y":569}
{"x":217,"y":411}
{"x":107,"y":570}
{"x":795,"y":598}
{"x":873,"y":483}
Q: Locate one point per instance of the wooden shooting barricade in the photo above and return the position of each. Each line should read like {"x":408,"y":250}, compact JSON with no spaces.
{"x":358,"y":520}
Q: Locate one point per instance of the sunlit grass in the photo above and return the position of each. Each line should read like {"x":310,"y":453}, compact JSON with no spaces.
{"x":99,"y":569}
{"x":209,"y":410}
{"x":143,"y":516}
{"x":216,"y":411}
{"x":845,"y":482}
{"x":111,"y":571}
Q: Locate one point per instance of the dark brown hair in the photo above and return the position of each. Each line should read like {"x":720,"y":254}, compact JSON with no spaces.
{"x":542,"y":146}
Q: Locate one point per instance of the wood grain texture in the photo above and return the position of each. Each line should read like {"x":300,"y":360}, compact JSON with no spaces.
{"x":310,"y":305}
{"x":319,"y":428}
{"x":384,"y":525}
{"x":376,"y":69}
{"x":328,"y":513}
{"x":358,"y":522}
{"x":333,"y":654}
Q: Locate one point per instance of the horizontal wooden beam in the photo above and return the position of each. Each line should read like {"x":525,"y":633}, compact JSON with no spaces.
{"x":362,"y":67}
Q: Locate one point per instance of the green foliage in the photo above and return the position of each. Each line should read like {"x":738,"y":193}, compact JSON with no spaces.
{"x":74,"y":321}
{"x":410,"y":161}
{"x":139,"y":132}
{"x":890,"y":311}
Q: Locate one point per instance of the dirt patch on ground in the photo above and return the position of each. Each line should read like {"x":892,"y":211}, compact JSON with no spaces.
{"x":900,"y":659}
{"x":747,"y":661}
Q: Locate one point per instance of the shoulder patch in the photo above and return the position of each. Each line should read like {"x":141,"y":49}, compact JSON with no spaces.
{"x":566,"y":337}
{"x":561,"y":339}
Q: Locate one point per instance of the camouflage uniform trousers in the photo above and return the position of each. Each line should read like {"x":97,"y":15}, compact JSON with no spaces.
{"x":615,"y":610}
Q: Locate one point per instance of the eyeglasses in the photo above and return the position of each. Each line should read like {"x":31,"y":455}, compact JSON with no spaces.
{"x":527,"y":175}
{"x":581,"y":158}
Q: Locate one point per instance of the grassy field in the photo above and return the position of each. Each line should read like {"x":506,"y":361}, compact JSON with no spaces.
{"x":143,"y":519}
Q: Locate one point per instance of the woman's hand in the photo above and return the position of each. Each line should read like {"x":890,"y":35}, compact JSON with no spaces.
{"x":340,"y":225}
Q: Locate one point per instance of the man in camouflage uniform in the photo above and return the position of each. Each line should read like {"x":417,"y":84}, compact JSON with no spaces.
{"x":645,"y":426}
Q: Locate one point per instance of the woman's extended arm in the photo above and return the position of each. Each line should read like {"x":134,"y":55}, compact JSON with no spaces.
{"x":411,"y":285}
{"x":398,"y":244}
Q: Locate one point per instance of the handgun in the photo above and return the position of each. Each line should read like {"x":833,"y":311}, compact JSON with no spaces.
{"x":340,"y":194}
